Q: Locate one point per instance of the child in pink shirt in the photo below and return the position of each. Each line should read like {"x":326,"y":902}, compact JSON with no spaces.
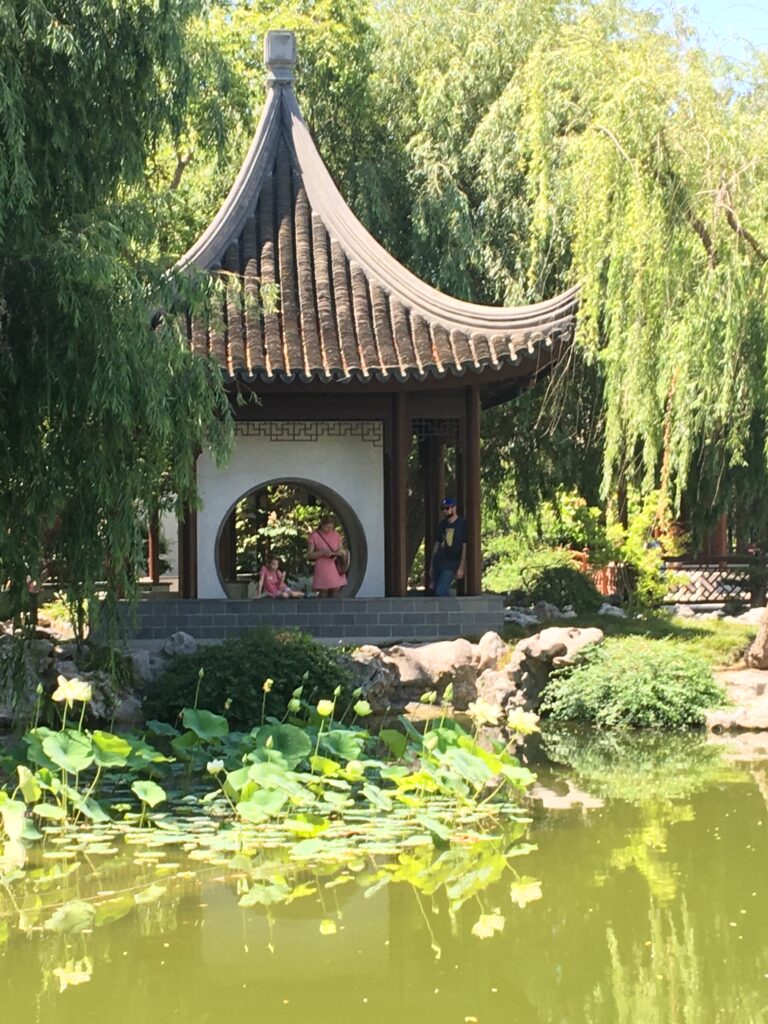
{"x":272,"y":581}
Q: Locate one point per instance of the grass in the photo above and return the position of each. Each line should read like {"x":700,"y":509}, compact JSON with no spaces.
{"x":719,"y":643}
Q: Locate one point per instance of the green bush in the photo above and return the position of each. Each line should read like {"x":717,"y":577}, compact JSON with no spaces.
{"x":634,"y":682}
{"x":565,"y":585}
{"x":544,"y":574}
{"x":234,"y":673}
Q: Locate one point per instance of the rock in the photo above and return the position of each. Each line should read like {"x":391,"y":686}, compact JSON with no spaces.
{"x":523,"y":679}
{"x":491,"y":650}
{"x":434,"y":666}
{"x":497,"y":687}
{"x":568,"y":613}
{"x":41,"y":651}
{"x":752,"y":617}
{"x":611,"y":610}
{"x":376,"y":676}
{"x":520,"y":616}
{"x":545,"y":612}
{"x":142,"y":665}
{"x":709,"y":615}
{"x":683,"y":611}
{"x":128,"y":713}
{"x":180,"y":643}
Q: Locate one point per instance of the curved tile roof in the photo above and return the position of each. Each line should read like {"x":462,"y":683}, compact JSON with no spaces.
{"x":347,"y":308}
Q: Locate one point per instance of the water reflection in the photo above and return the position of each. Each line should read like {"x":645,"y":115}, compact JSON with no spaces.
{"x":644,"y":903}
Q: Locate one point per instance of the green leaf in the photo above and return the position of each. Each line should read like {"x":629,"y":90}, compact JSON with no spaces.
{"x":395,"y":741}
{"x":324,"y":765}
{"x":292,"y":743}
{"x":28,"y":784}
{"x":52,"y":811}
{"x":205,"y":724}
{"x":70,"y":750}
{"x":345,"y":744}
{"x":72,"y":918}
{"x":109,"y":750}
{"x":13,"y":814}
{"x":149,"y":792}
{"x":162,"y":728}
{"x":262,"y":805}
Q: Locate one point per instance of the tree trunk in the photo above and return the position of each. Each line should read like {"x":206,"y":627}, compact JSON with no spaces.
{"x":757,"y":655}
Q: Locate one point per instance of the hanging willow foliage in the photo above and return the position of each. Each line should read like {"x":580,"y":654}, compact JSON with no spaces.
{"x":637,"y":142}
{"x":99,"y":414}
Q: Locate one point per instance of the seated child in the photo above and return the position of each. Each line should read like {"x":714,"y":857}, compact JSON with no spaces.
{"x":272,"y":581}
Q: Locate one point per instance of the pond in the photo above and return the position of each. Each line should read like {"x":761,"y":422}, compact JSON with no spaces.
{"x":645,"y":901}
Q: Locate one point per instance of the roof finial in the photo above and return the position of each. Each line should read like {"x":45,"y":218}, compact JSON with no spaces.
{"x":280,"y":55}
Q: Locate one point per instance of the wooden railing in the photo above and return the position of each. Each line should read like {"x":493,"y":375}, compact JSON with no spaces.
{"x":729,"y":579}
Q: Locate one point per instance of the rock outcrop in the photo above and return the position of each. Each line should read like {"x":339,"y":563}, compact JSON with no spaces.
{"x":502,"y":676}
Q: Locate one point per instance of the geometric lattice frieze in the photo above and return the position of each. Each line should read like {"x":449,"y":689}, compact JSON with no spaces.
{"x":708,"y":584}
{"x":444,"y":430}
{"x":369,"y":431}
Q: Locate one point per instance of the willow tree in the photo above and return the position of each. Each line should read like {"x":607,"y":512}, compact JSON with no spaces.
{"x":97,"y":409}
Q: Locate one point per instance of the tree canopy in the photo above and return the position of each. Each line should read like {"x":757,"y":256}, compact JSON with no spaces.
{"x":501,"y":149}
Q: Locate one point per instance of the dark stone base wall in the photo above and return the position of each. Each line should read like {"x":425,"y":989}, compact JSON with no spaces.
{"x":375,"y":620}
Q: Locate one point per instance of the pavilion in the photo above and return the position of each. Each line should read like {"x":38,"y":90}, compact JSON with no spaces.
{"x":359,"y":361}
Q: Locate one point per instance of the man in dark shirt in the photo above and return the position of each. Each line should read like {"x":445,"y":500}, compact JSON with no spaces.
{"x":449,"y":556}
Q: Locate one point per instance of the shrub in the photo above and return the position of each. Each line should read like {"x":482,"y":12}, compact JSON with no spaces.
{"x":234,"y":673}
{"x":634,"y":682}
{"x":565,"y":585}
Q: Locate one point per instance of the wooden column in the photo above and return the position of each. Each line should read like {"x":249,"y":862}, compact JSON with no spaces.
{"x":471,"y":496}
{"x":153,"y":549}
{"x":188,"y":549}
{"x":400,"y":438}
{"x":432,"y":457}
{"x":188,"y":553}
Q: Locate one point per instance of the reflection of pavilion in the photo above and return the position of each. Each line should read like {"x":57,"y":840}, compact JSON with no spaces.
{"x":361,"y":361}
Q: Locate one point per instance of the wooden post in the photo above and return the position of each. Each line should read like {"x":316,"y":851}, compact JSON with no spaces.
{"x":398,"y":484}
{"x":153,"y":549}
{"x":471,"y":496}
{"x":188,"y":553}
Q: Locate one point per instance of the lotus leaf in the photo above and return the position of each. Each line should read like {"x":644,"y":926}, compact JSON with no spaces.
{"x":287,"y":740}
{"x":75,"y":916}
{"x":109,"y":750}
{"x":52,"y":811}
{"x":345,"y":744}
{"x":395,"y":741}
{"x":205,"y":724}
{"x":28,"y":784}
{"x":149,"y":792}
{"x":70,"y":750}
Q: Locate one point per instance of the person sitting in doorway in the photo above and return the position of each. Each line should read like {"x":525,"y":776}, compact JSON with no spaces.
{"x":272,"y":581}
{"x":449,"y":555}
{"x":325,"y":548}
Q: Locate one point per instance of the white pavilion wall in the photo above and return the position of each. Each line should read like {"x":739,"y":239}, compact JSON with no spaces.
{"x":345,"y":456}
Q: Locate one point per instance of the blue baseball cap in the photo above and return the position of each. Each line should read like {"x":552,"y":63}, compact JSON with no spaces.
{"x":448,"y":502}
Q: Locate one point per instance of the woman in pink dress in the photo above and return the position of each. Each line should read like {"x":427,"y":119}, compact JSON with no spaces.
{"x":323,"y":545}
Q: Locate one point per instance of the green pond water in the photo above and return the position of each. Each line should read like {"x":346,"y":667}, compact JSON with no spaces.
{"x":645,"y":900}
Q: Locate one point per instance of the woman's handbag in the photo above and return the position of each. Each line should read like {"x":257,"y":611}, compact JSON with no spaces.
{"x":342,"y":561}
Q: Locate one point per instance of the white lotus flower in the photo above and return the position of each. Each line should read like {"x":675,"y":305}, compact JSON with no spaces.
{"x":362,"y":709}
{"x":71,"y":690}
{"x":214,"y":767}
{"x":483,"y":713}
{"x":522,"y":722}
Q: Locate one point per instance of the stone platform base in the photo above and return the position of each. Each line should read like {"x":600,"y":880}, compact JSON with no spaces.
{"x":361,"y":620}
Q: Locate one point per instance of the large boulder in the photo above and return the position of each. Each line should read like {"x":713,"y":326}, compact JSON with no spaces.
{"x":521,"y":682}
{"x":180,"y":643}
{"x":396,"y":676}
